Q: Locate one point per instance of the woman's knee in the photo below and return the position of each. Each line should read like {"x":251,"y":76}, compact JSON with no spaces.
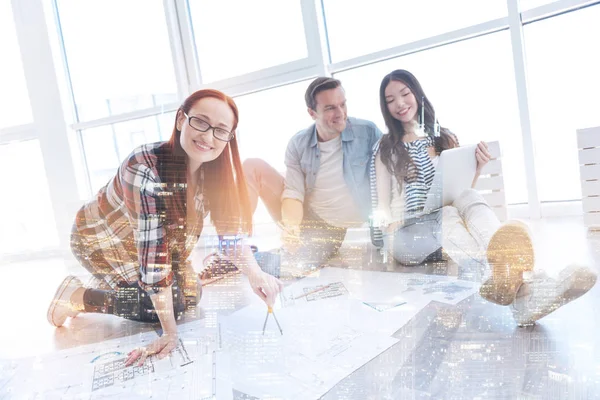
{"x":468,"y":198}
{"x":409,"y":260}
{"x":408,"y":253}
{"x":449,"y":213}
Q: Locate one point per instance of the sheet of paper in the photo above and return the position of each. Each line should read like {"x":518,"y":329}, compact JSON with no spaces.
{"x":316,"y":351}
{"x":376,"y":302}
{"x":194,"y":370}
{"x":374,"y":286}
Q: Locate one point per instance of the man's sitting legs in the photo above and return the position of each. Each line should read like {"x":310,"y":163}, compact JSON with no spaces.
{"x":265,"y":182}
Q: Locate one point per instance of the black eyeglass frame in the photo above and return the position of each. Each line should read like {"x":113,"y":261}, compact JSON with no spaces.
{"x":189,"y":121}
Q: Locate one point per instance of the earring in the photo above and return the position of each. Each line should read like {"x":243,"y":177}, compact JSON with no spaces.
{"x":421,"y":126}
{"x":436,"y":126}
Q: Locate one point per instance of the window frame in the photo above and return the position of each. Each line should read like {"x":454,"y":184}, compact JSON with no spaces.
{"x":35,"y":36}
{"x":278,"y":75}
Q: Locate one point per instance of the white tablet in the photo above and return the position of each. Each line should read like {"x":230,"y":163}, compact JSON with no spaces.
{"x":454,"y":174}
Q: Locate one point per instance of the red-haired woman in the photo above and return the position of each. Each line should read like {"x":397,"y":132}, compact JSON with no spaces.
{"x":136,"y":234}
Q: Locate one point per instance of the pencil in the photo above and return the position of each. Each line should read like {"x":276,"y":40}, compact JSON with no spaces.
{"x":212,"y":280}
{"x":313,"y":291}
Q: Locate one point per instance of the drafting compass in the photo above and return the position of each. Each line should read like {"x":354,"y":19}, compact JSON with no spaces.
{"x":269,"y":312}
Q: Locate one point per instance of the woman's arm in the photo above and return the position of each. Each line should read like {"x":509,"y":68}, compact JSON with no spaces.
{"x":143,"y":194}
{"x":483,"y":156}
{"x":161,"y":347}
{"x":264,"y":285}
{"x":163,"y":304}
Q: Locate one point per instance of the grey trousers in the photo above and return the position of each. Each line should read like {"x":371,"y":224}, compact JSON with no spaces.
{"x":463,"y":229}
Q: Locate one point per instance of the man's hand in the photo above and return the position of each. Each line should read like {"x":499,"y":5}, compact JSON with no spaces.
{"x":290,"y":238}
{"x":266,"y":286}
{"x":161,"y":347}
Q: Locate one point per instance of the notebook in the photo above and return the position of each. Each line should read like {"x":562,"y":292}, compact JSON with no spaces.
{"x":454,"y":174}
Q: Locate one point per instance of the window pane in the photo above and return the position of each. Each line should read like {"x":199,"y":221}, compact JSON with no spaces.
{"x":118,"y":55}
{"x":359,"y":27}
{"x":563,"y":92}
{"x":14,"y":99}
{"x":268,"y":120}
{"x":233,"y":37}
{"x":474,"y":96}
{"x":27,"y":217}
{"x":529,"y":4}
{"x":107,"y":146}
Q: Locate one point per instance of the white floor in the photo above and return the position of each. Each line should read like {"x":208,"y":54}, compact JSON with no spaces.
{"x":29,"y":286}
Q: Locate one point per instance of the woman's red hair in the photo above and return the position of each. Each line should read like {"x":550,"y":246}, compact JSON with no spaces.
{"x":224,"y":181}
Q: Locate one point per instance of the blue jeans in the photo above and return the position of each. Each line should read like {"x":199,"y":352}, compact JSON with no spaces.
{"x":417,"y":239}
{"x":463,"y":229}
{"x":320,"y":241}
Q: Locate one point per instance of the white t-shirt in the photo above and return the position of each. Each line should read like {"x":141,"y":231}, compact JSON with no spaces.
{"x":331,"y":199}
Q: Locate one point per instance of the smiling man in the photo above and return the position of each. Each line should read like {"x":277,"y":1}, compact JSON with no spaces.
{"x":326,"y":186}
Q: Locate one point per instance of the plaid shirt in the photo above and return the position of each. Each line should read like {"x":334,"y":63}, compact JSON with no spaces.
{"x":127,"y":222}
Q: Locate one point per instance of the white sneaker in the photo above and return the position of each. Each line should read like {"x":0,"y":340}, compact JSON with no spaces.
{"x":541,"y":294}
{"x":509,"y":254}
{"x":61,"y":307}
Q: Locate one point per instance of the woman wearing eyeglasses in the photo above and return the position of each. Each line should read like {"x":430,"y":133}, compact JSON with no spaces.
{"x":136,"y":234}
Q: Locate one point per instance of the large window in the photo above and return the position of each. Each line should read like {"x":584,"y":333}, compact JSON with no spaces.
{"x":27,"y":214}
{"x":359,"y":27}
{"x":118,"y":54}
{"x":471,"y":85}
{"x":125,"y":77}
{"x":14,"y":99}
{"x":563,"y":81}
{"x":235,"y":37}
{"x":268,"y":120}
{"x":107,"y":146}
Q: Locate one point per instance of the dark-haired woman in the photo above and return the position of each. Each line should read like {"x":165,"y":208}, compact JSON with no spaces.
{"x":468,"y":230}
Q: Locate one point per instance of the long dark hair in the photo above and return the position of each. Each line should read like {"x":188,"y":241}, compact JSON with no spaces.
{"x":224,"y":182}
{"x":393,"y":153}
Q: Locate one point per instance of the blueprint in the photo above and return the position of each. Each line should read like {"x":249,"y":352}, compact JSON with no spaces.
{"x":315,"y":352}
{"x":396,"y":287}
{"x":194,"y":370}
{"x":333,"y":322}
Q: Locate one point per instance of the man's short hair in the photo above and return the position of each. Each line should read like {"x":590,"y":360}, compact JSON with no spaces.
{"x":317,"y":86}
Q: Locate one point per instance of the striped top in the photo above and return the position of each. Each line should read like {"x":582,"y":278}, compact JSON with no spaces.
{"x":421,"y":172}
{"x":374,"y":230}
{"x":425,"y":170}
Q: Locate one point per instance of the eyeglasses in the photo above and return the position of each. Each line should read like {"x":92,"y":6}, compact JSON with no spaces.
{"x":203,"y":126}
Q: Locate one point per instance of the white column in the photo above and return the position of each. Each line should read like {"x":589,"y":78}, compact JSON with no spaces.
{"x":516,"y":34}
{"x":316,"y":36}
{"x":182,"y":48}
{"x":48,"y":116}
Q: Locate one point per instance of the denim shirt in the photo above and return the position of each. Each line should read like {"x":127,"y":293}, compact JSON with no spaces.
{"x":302,"y":159}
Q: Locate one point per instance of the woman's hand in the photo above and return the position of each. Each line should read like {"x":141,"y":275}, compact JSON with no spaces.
{"x":161,"y":347}
{"x":482,"y":155}
{"x":266,"y":286}
{"x":391,"y":228}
